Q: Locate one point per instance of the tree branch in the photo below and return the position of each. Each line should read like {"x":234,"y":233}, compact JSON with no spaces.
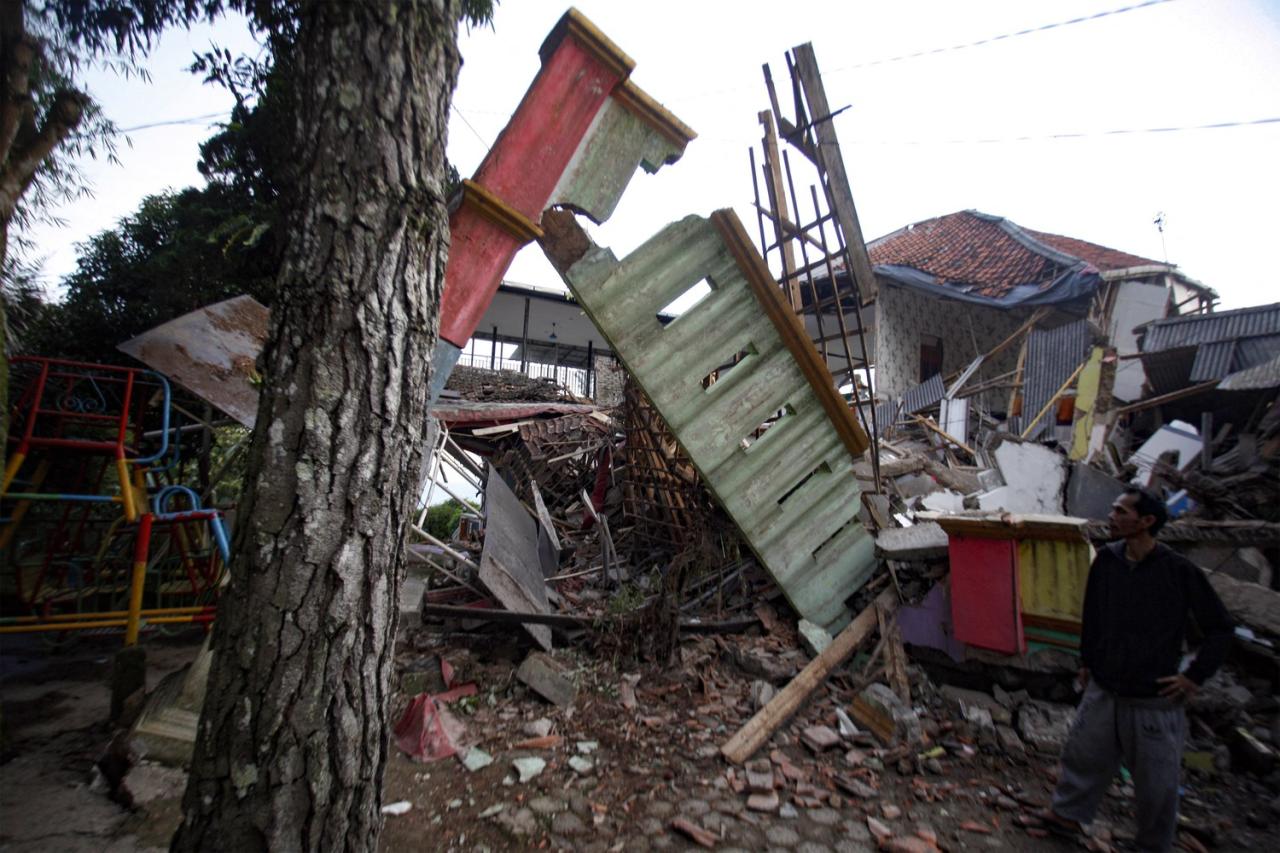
{"x":17,"y":52}
{"x":20,"y":168}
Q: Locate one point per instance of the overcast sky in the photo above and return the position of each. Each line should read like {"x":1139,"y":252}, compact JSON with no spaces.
{"x":972,"y":127}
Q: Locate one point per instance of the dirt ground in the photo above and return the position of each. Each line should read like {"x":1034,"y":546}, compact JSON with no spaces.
{"x":636,"y":752}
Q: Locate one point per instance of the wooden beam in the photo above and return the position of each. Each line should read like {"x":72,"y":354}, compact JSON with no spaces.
{"x":1071,"y":380}
{"x":895,"y":655}
{"x":1167,"y":398}
{"x":770,"y":718}
{"x":831,"y":162}
{"x":777,"y":199}
{"x":946,"y":436}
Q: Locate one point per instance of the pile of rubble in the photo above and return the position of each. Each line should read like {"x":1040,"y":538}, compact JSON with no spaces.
{"x":899,"y":731}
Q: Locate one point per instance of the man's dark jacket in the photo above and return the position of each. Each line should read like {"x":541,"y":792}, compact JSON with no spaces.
{"x":1136,"y":617}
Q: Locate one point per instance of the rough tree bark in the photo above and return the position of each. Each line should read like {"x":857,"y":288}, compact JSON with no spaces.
{"x":26,"y":139}
{"x":293,"y":739}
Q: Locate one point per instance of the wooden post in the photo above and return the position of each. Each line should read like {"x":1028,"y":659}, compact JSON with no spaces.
{"x":829,"y":160}
{"x":777,"y":198}
{"x":1206,"y":440}
{"x":770,"y":718}
{"x":493,"y":349}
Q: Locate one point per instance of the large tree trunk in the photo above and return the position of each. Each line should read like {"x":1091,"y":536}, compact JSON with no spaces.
{"x":293,"y":738}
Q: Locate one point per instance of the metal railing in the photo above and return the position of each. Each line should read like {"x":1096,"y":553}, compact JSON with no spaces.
{"x":575,"y":379}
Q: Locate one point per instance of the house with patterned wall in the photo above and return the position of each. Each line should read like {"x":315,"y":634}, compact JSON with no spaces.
{"x":955,"y":286}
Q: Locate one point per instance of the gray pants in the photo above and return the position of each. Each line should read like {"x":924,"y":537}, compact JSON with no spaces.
{"x":1147,"y":735}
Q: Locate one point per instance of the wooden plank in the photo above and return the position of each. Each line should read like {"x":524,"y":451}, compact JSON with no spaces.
{"x":777,"y":197}
{"x":829,"y":159}
{"x":895,"y":655}
{"x":770,"y":718}
{"x":932,"y":427}
{"x":1167,"y":398}
{"x":509,"y":564}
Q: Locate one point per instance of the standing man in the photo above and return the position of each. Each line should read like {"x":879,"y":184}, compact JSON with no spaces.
{"x":1136,"y":607}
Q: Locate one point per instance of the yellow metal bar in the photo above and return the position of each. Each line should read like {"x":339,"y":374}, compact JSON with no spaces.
{"x":11,"y":470}
{"x":89,"y":626}
{"x":141,"y":548}
{"x":60,"y":626}
{"x":126,"y":490}
{"x":20,"y":511}
{"x":105,"y":614}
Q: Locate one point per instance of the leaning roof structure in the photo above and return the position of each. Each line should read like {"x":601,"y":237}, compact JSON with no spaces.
{"x":978,"y":257}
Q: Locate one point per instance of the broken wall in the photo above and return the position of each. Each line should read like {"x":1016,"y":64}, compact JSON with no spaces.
{"x":610,"y":381}
{"x":1137,"y":302}
{"x":904,"y":316}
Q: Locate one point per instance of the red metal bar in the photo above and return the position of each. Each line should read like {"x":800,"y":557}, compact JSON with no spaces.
{"x":31,"y":421}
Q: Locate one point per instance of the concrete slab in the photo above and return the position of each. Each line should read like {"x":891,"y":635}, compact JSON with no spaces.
{"x":943,"y":501}
{"x":1035,"y":479}
{"x":549,"y":678}
{"x":923,"y":541}
{"x":1090,"y":492}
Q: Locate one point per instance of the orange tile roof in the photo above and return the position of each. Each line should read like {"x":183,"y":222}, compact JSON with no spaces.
{"x":990,"y":256}
{"x":1100,"y":256}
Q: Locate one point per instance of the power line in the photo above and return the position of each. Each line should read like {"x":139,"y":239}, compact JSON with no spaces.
{"x":937,"y":50}
{"x":472,"y":129}
{"x":1002,"y":37}
{"x":1083,"y":134}
{"x":170,"y":122}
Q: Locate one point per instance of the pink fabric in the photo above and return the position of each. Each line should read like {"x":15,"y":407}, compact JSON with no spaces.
{"x":426,"y":730}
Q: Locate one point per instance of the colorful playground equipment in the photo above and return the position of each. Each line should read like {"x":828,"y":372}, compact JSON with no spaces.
{"x":93,"y":535}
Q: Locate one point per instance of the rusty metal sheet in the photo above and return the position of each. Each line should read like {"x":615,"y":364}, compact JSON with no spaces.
{"x":792,"y":492}
{"x":509,"y":564}
{"x":211,"y":352}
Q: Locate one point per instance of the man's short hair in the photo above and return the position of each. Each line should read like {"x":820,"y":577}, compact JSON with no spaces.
{"x":1149,"y":504}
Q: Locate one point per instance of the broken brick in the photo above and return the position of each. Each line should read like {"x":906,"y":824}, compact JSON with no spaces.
{"x":695,"y":833}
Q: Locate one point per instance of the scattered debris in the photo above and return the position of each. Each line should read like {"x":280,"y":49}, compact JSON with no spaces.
{"x":528,"y":767}
{"x":548,"y":678}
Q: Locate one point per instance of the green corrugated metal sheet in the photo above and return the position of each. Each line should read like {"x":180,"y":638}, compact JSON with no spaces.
{"x":793,"y":492}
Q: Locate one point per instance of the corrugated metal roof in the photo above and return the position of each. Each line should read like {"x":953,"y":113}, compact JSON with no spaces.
{"x":1213,"y":361}
{"x":793,"y":492}
{"x":1169,"y":370}
{"x":1254,"y":351}
{"x":1052,"y":356}
{"x":924,"y":395}
{"x":1198,"y":329}
{"x":887,"y":414}
{"x":1257,"y":378}
{"x":1222,"y":358}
